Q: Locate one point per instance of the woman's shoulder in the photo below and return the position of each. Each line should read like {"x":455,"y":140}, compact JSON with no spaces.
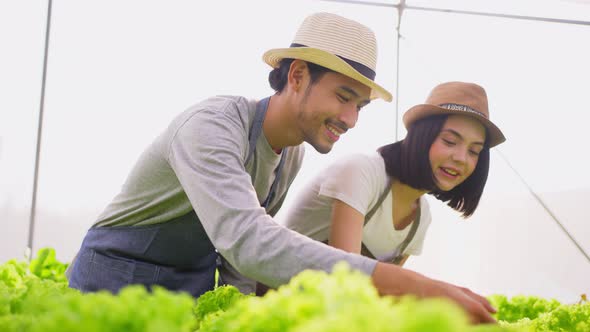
{"x":364,"y":170}
{"x":354,"y":171}
{"x":371,"y":161}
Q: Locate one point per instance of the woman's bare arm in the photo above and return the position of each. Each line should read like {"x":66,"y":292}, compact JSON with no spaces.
{"x":346,"y":231}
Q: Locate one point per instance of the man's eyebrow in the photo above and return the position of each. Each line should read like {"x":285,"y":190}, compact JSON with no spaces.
{"x":455,"y":133}
{"x":354,"y":94}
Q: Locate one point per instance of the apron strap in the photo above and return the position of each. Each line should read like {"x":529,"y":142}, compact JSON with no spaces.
{"x":397,"y":255}
{"x":381,"y":199}
{"x":255,"y":131}
{"x":256,"y":128}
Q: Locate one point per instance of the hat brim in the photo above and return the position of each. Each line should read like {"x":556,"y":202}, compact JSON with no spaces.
{"x":325,"y":59}
{"x":424,"y":110}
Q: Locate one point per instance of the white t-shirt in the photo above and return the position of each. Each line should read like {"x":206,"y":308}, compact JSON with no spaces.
{"x":358,"y":180}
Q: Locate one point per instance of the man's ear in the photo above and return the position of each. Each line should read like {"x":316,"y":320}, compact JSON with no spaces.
{"x":298,"y":74}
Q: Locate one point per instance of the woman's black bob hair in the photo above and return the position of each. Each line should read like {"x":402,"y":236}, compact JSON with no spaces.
{"x":408,"y":161}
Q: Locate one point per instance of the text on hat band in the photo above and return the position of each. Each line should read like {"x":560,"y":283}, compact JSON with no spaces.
{"x":458,"y":107}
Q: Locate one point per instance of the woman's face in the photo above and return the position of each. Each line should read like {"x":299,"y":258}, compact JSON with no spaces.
{"x":455,"y":151}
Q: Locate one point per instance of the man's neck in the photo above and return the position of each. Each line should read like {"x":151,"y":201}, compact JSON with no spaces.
{"x":279,"y":125}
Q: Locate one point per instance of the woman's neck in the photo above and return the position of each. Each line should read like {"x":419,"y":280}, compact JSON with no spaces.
{"x":405,"y":194}
{"x":405,"y":204}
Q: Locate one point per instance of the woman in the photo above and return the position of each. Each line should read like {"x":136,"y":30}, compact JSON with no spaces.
{"x":374,"y":204}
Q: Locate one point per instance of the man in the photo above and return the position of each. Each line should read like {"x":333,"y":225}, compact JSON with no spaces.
{"x":206,"y":189}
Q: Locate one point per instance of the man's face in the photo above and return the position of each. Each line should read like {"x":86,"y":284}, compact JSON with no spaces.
{"x":329,"y":108}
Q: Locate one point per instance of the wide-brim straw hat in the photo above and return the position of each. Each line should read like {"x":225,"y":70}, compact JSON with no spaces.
{"x":457,"y":98}
{"x":337,"y":43}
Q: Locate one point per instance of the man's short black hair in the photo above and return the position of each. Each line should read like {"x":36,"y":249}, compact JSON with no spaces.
{"x":278,"y":76}
{"x":408,"y":161}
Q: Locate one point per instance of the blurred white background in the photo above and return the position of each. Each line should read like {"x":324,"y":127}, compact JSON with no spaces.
{"x":118,"y":71}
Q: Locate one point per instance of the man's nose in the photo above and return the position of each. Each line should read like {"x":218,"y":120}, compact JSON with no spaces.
{"x":350,"y":115}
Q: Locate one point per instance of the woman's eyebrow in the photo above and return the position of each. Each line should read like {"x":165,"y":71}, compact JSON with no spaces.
{"x":456,"y":133}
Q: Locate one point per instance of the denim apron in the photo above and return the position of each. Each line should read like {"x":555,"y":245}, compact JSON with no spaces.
{"x":176,"y":254}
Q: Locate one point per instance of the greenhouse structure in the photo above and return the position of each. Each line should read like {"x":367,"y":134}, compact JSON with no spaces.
{"x":85,"y":86}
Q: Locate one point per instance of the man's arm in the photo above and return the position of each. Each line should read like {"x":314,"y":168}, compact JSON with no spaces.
{"x":391,"y":279}
{"x":207,"y":154}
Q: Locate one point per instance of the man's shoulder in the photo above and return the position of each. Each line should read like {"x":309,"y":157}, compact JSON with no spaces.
{"x":218,"y":109}
{"x":225,"y":104}
{"x":236,"y":102}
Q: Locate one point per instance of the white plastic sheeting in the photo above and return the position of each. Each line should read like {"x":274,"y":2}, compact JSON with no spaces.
{"x":118,"y":72}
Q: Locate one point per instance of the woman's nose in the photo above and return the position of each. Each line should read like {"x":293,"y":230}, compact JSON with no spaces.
{"x":459,"y":155}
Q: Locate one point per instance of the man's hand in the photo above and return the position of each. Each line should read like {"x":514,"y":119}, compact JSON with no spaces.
{"x":394,"y":280}
{"x":477,"y":307}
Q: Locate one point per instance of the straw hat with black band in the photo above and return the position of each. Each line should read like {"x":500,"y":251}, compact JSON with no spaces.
{"x":337,"y":43}
{"x":461,"y":98}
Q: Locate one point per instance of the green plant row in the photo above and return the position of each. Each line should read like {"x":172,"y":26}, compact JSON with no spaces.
{"x":34,"y":297}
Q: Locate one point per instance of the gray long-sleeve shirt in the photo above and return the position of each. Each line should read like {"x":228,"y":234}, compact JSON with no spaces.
{"x":198,"y":163}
